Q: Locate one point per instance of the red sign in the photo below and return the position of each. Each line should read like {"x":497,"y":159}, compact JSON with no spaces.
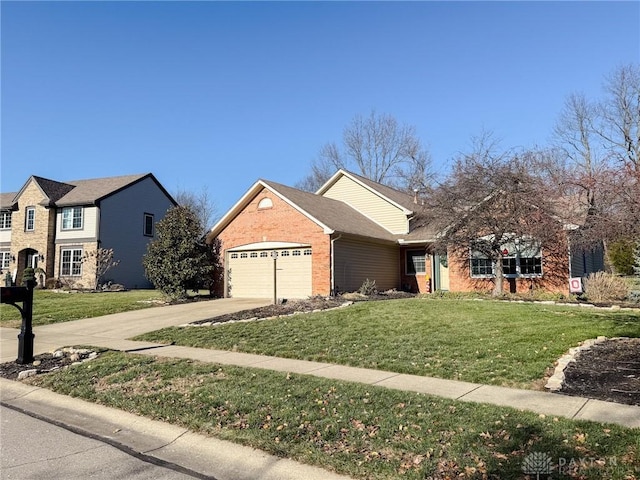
{"x":505,"y":252}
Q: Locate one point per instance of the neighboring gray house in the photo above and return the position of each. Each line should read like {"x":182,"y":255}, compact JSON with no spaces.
{"x":53,"y":225}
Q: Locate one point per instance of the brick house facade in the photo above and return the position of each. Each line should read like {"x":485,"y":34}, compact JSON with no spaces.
{"x":352,"y":230}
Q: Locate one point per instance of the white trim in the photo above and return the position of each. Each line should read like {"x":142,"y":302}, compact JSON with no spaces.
{"x":246,"y":199}
{"x":402,"y":241}
{"x":268,"y":246}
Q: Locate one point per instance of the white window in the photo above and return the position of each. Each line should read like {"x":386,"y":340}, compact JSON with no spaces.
{"x":72,"y":218}
{"x":71,"y":262}
{"x":520,"y":257}
{"x":243,"y":255}
{"x":5,"y":220}
{"x":234,"y":255}
{"x":481,"y":266}
{"x":307,"y":251}
{"x":254,"y":254}
{"x":263,"y":254}
{"x":265,"y":203}
{"x":148,"y":225}
{"x":5,"y":259}
{"x":416,"y":262}
{"x":285,"y":253}
{"x":30,"y":219}
{"x":296,"y":253}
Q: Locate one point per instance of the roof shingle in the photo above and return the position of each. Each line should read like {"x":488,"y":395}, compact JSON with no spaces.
{"x":334,"y":214}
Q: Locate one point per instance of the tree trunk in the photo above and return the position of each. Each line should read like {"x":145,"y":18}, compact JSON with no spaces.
{"x":499,"y":277}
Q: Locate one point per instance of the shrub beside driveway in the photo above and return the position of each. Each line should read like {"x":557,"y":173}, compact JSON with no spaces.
{"x":498,"y":343}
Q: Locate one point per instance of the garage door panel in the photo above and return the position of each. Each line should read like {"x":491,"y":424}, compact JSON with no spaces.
{"x":250,"y":274}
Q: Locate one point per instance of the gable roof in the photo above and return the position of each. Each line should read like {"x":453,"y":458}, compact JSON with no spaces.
{"x":6,"y":200}
{"x":80,"y":192}
{"x":402,"y":200}
{"x":87,"y":192}
{"x":331,"y":215}
{"x":337,"y":215}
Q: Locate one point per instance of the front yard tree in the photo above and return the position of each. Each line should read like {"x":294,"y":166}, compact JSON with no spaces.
{"x":491,"y":201}
{"x":179,"y":260}
{"x":377,"y":147}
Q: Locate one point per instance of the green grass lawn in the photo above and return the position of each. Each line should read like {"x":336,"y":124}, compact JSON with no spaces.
{"x":499,"y":343}
{"x":54,"y":307}
{"x":359,"y":430}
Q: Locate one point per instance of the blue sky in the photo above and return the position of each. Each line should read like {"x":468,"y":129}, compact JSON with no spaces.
{"x":223,"y":93}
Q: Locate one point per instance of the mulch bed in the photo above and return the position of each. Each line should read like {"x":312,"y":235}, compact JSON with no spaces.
{"x":608,"y":371}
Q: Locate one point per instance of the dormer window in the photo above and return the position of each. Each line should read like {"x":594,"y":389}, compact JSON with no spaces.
{"x":72,"y":218}
{"x":30,"y":219}
{"x":265,"y":203}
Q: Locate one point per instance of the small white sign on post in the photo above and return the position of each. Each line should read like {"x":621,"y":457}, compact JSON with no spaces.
{"x":575,"y":285}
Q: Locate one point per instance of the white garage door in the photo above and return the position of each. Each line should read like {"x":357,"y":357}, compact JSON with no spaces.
{"x":250,"y":273}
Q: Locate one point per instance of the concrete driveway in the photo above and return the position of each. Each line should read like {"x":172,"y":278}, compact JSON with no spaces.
{"x":111,"y":331}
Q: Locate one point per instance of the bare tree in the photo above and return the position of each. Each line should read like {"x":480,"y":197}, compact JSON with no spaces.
{"x":376,"y":147}
{"x":494,"y":201}
{"x":102,"y":260}
{"x":201,"y":204}
{"x":599,"y":167}
{"x":584,"y":164}
{"x":620,"y":112}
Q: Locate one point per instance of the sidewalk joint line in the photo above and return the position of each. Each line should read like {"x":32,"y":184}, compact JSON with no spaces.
{"x":386,"y":378}
{"x":469,"y":392}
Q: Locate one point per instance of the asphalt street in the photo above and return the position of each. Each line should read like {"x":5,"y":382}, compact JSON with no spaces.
{"x":31,"y":448}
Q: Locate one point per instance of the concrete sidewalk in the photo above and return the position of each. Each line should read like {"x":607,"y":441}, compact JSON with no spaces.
{"x":577,"y":408}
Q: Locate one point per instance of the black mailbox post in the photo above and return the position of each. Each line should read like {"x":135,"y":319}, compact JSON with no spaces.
{"x":13,"y":295}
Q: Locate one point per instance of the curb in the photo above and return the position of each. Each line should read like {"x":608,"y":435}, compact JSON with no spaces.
{"x":556,"y":380}
{"x":154,"y":441}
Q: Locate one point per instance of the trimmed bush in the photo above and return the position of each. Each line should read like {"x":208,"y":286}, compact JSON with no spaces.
{"x":52,"y":283}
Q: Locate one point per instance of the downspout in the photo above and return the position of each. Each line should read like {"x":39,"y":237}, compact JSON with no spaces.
{"x":333,"y":265}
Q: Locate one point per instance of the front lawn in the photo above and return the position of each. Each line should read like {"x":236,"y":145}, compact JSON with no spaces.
{"x":359,"y":430}
{"x":499,"y":343}
{"x":54,"y":307}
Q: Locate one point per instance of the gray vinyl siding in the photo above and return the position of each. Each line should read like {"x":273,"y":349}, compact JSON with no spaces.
{"x":584,"y":262}
{"x":369,"y":204}
{"x":356,"y":260}
{"x":121,"y":227}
